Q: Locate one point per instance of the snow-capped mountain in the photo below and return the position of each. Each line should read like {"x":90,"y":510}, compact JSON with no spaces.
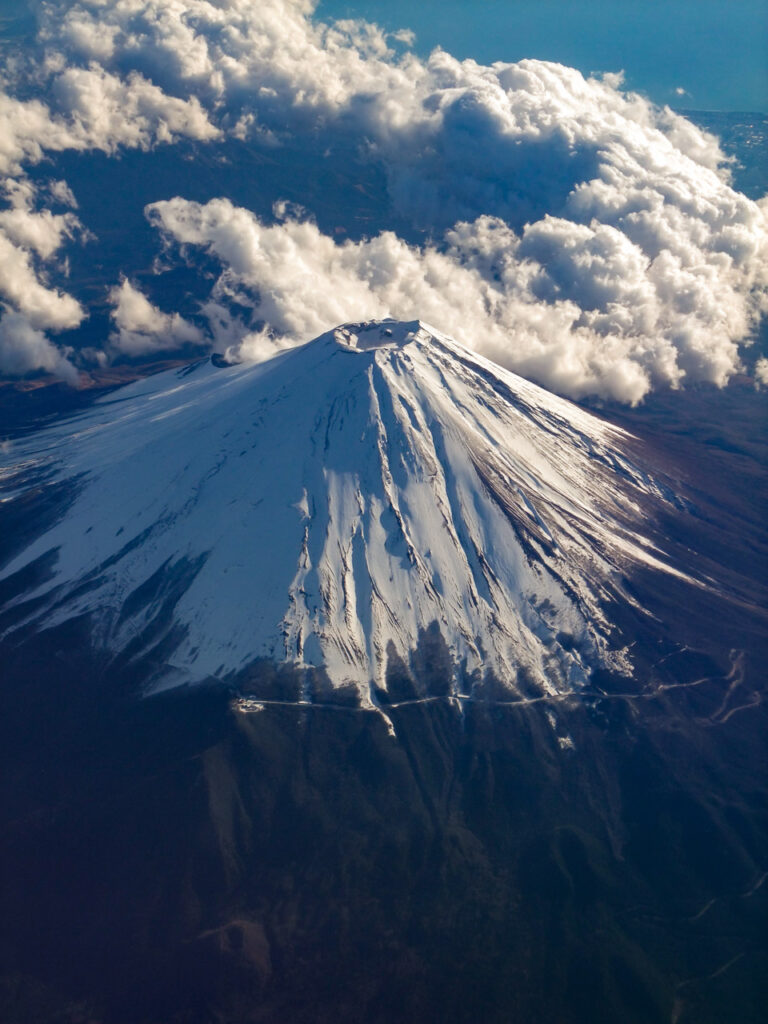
{"x":329,"y":505}
{"x":416,"y":580}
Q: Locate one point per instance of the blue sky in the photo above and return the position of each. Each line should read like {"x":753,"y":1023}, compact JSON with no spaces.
{"x":717,"y":51}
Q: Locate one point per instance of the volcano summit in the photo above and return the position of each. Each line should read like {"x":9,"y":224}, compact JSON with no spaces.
{"x":327,"y":507}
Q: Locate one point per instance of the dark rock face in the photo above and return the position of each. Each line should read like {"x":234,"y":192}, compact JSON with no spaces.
{"x":176,"y":859}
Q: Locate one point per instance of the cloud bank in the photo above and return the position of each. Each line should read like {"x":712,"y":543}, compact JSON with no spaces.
{"x":142,"y":328}
{"x":30,"y":241}
{"x":571,"y":231}
{"x":576,"y":308}
{"x":94,"y":110}
{"x":23,"y":348}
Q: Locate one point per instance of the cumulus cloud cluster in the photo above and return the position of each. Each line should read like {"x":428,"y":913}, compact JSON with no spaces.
{"x":142,"y":328}
{"x":576,"y":307}
{"x":29,"y":242}
{"x":91,"y":108}
{"x":572,"y":231}
{"x":23,"y":348}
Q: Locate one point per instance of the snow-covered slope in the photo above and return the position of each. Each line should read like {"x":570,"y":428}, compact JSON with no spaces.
{"x":333,"y":501}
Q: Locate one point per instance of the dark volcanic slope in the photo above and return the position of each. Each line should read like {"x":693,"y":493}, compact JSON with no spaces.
{"x":182,"y":860}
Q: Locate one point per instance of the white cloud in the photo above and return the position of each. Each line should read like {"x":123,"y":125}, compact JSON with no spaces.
{"x":23,"y":348}
{"x":21,"y":286}
{"x":594,"y":238}
{"x":83,"y":34}
{"x":142,"y":328}
{"x":291,"y":73}
{"x":105,"y":111}
{"x":62,"y":194}
{"x":761,"y":372}
{"x":26,"y":129}
{"x":94,"y":109}
{"x":29,"y":239}
{"x":579,"y":308}
{"x":41,"y":232}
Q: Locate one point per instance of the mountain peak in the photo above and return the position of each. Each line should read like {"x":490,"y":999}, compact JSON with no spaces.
{"x":375,"y":334}
{"x":332,"y":513}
